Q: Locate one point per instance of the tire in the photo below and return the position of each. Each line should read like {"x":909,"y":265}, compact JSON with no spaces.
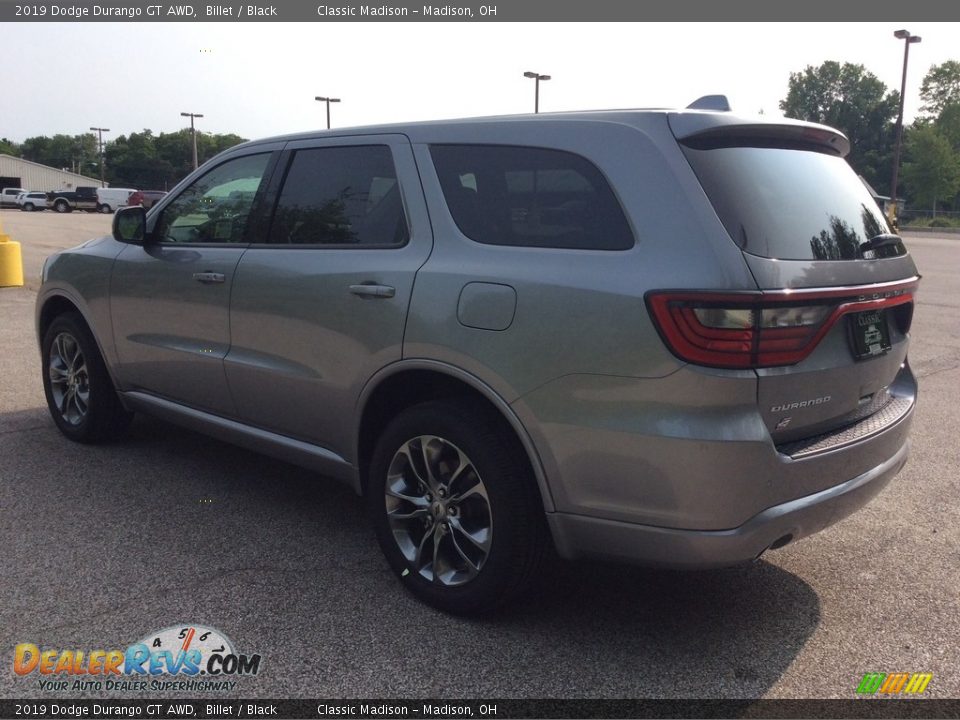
{"x":105,"y":209}
{"x":80,"y":395}
{"x":28,"y":207}
{"x":470,"y":535}
{"x":62,"y":206}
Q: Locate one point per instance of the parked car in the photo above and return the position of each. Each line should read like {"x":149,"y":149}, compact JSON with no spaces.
{"x":151,"y":197}
{"x":147,"y":198}
{"x":30,"y":201}
{"x":110,"y":199}
{"x":81,"y":198}
{"x":675,"y":338}
{"x":8,"y":196}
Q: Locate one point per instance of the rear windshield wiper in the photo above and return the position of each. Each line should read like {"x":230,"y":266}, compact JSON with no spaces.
{"x":879,"y":241}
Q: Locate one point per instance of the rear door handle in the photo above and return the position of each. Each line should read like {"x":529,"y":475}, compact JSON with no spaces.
{"x":379,"y":291}
{"x":209,"y":277}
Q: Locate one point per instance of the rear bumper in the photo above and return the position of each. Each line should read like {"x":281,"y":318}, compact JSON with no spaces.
{"x":580,"y":536}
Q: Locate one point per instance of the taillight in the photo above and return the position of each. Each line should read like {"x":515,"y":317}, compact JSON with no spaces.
{"x":763,"y":329}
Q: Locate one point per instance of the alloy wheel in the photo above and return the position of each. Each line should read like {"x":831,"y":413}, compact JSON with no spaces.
{"x":438,"y":510}
{"x":69,"y":380}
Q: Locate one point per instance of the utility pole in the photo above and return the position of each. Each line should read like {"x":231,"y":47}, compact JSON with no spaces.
{"x":100,"y":131}
{"x":327,"y":100}
{"x":908,"y":40}
{"x":537,"y":77}
{"x":193,"y":133}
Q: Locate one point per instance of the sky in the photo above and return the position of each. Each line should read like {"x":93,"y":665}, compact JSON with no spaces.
{"x":258,"y":80}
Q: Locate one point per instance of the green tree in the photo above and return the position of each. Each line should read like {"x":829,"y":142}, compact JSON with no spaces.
{"x":35,"y":148}
{"x":140,"y":160}
{"x":948,"y":124}
{"x":8,"y":147}
{"x":940,"y":88}
{"x":856,"y":102}
{"x":132,"y":161}
{"x":74,"y":152}
{"x":932,"y":169}
{"x":176,"y":149}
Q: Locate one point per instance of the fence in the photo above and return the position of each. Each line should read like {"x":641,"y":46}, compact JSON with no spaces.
{"x":926,"y":218}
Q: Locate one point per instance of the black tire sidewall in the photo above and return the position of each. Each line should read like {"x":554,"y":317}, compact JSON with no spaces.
{"x":102,"y":394}
{"x":504,"y":475}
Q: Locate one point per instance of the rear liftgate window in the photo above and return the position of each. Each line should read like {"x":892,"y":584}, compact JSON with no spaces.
{"x":791,"y":204}
{"x":530,"y":197}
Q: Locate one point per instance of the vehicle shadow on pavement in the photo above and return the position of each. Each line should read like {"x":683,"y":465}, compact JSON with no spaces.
{"x":170,"y":526}
{"x":708,"y":633}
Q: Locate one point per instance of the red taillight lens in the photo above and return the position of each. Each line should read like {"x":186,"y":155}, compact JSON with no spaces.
{"x":761,"y":329}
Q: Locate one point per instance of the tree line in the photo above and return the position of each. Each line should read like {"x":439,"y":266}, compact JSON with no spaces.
{"x":852,"y":99}
{"x":139,"y":160}
{"x":843,"y":95}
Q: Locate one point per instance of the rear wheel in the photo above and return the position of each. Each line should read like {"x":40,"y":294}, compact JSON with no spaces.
{"x":61,"y":206}
{"x":104,"y":208}
{"x":455,"y":508}
{"x":80,"y":394}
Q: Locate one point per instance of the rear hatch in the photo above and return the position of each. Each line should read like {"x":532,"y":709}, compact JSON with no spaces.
{"x":828,"y":331}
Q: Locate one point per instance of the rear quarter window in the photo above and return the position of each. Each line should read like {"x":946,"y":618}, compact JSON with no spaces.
{"x":530,"y":197}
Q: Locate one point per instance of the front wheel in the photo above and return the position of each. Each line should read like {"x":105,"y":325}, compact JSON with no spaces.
{"x":80,"y":394}
{"x":28,"y":207}
{"x":455,"y":507}
{"x":106,"y":209}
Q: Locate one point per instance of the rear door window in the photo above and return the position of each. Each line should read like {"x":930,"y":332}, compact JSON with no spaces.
{"x":341,"y":196}
{"x":791,"y":204}
{"x":530,"y":197}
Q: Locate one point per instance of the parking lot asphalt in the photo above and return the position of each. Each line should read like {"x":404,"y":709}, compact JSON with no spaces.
{"x":101,"y":545}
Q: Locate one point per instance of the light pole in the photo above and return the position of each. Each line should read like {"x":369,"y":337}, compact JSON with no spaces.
{"x":536,"y":92}
{"x":908,"y":40}
{"x":193,"y":133}
{"x":100,"y":132}
{"x":327,"y":100}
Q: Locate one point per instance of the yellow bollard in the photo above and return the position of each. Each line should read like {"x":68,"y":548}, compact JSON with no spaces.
{"x":11,"y":262}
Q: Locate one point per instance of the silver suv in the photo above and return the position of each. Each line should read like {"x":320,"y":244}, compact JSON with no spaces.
{"x":670,"y":338}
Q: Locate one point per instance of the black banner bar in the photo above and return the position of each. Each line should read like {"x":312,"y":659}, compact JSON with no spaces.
{"x":469,"y":709}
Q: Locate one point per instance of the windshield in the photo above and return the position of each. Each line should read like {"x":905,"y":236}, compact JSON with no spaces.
{"x":791,"y":204}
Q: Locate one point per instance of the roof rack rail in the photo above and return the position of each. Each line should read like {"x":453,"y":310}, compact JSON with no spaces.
{"x":710,"y":102}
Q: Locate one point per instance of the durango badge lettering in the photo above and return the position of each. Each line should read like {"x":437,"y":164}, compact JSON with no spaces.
{"x":801,"y":404}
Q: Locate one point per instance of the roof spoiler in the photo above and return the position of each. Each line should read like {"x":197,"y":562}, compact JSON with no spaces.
{"x":711,"y":102}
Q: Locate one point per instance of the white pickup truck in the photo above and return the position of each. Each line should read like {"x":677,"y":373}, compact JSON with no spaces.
{"x":8,"y":196}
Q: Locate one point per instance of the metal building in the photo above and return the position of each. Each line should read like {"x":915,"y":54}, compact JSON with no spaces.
{"x":17,"y":172}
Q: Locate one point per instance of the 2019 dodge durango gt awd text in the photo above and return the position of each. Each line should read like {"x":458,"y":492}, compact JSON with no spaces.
{"x":671,"y":338}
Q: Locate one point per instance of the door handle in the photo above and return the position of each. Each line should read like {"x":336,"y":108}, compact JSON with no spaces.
{"x":209,"y":277}
{"x":378,"y":291}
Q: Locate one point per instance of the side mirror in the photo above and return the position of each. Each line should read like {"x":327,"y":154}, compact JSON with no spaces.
{"x":130,"y":225}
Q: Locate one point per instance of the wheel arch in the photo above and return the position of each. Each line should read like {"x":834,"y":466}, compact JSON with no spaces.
{"x":53,"y":306}
{"x":409,"y":383}
{"x":57,"y":303}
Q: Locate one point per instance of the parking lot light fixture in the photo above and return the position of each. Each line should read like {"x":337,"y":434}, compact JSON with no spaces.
{"x":908,"y":40}
{"x":100,"y":131}
{"x":537,"y":77}
{"x":327,"y":100}
{"x":193,"y":134}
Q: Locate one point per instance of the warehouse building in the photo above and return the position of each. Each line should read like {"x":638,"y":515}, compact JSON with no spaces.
{"x":17,"y":172}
